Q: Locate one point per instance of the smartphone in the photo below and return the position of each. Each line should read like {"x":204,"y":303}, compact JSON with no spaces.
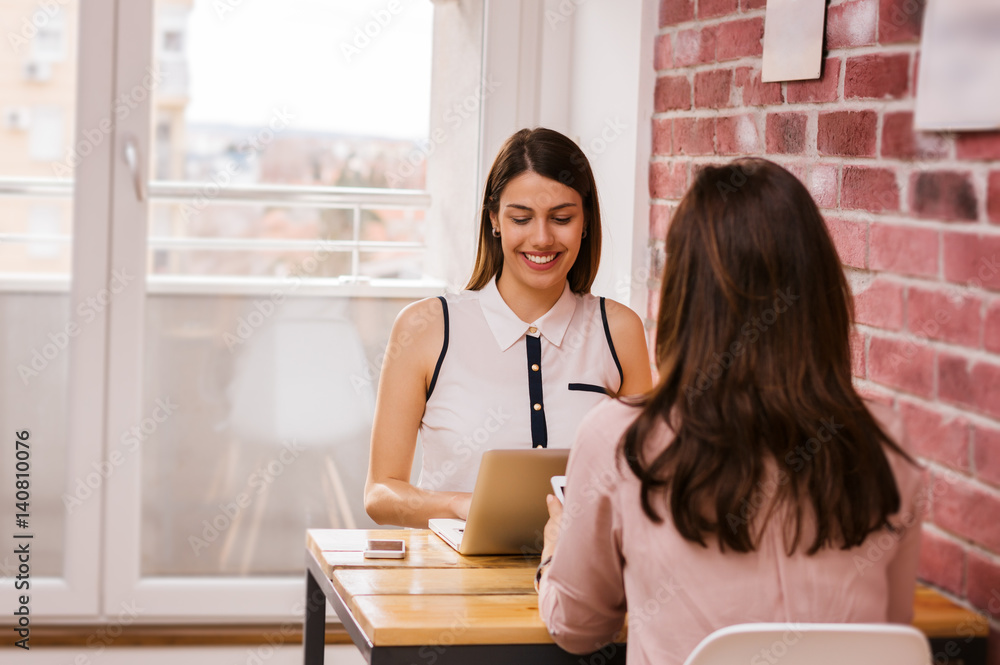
{"x":559,"y":487}
{"x":385,"y":549}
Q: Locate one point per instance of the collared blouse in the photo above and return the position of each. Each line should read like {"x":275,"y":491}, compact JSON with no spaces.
{"x":611,"y":558}
{"x":501,"y":382}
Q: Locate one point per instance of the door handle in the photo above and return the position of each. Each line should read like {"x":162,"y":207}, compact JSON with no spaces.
{"x":131,"y":153}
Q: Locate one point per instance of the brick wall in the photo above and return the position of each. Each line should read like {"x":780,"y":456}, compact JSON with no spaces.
{"x":916,"y":219}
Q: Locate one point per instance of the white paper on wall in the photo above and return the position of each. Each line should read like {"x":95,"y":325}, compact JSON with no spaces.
{"x":793,"y":40}
{"x":958,"y":86}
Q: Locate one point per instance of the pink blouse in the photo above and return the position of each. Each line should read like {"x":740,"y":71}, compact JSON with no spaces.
{"x":679,"y":592}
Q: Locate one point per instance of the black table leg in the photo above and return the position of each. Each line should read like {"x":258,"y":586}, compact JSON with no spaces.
{"x":314,"y":630}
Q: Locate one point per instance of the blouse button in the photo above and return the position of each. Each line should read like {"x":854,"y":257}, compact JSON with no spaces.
{"x":538,"y":407}
{"x":532,"y":330}
{"x":534,"y":368}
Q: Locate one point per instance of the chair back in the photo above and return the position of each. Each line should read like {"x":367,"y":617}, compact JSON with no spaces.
{"x":813,"y":644}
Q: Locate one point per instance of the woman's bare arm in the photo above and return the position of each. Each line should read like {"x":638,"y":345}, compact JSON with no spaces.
{"x":413,"y":349}
{"x":629,"y":338}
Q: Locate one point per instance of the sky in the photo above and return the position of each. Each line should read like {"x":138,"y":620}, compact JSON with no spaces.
{"x":248,"y":58}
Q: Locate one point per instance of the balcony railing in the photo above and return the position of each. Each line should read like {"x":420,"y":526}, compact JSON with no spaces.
{"x":355,"y":199}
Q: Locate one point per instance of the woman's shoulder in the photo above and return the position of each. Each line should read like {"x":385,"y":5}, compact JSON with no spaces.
{"x":605,"y":422}
{"x":419,"y":314}
{"x":597,"y":451}
{"x":420,"y":324}
{"x":908,"y":474}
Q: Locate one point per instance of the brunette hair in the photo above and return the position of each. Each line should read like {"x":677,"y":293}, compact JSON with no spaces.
{"x":552,"y":155}
{"x":753,"y":351}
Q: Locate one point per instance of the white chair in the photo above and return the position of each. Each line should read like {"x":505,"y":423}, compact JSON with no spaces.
{"x":813,"y":644}
{"x":299,"y":377}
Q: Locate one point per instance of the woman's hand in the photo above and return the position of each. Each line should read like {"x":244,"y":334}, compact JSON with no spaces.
{"x":551,"y":533}
{"x":460,"y":505}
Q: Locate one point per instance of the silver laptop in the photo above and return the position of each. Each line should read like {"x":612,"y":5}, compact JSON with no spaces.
{"x":508,"y":511}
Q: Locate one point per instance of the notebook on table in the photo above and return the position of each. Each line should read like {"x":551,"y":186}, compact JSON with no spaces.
{"x":508,"y":511}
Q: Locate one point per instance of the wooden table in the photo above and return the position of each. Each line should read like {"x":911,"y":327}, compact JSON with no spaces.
{"x":436,"y":607}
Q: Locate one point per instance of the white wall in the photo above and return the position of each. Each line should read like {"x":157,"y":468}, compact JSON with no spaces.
{"x":584,"y":67}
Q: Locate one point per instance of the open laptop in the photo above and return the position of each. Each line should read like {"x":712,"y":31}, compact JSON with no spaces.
{"x":508,"y":511}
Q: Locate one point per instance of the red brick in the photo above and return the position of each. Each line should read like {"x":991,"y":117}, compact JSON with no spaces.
{"x":653,"y":305}
{"x":662,"y":129}
{"x":972,"y":260}
{"x":857,"y":354}
{"x":978,"y":145}
{"x":851,"y":240}
{"x":900,"y":20}
{"x":675,"y":11}
{"x":736,"y":39}
{"x":799,"y":169}
{"x":694,"y":136}
{"x":713,"y":89}
{"x":875,"y":395}
{"x":986,"y":454}
{"x":969,"y":383}
{"x":904,"y":364}
{"x":899,"y":139}
{"x":993,"y":197}
{"x":823,"y":89}
{"x":935,"y":436}
{"x":945,"y":195}
{"x":693,"y":47}
{"x":786,"y":133}
{"x":983,"y":585}
{"x":755,"y":91}
{"x":664,"y":56}
{"x":942,"y":562}
{"x":991,"y":327}
{"x":970,"y":511}
{"x":737,"y":135}
{"x":822,"y":183}
{"x":659,"y":221}
{"x":667,"y":180}
{"x":711,"y":8}
{"x":880,"y":305}
{"x":851,"y":24}
{"x":986,"y":381}
{"x":870,"y":189}
{"x":902,"y":250}
{"x":877,"y":76}
{"x":657,"y":259}
{"x":847,"y":133}
{"x":954,"y":379}
{"x":948,"y":316}
{"x":672,"y":93}
{"x":753,"y":4}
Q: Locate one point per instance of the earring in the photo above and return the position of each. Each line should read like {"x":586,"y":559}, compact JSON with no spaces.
{"x":496,"y":232}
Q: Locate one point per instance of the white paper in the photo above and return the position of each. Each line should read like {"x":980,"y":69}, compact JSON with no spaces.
{"x":793,"y":40}
{"x":958,"y":86}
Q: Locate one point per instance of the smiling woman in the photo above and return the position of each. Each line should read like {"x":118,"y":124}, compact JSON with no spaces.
{"x":518,"y":358}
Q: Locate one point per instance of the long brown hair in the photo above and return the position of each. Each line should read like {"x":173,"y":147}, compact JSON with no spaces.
{"x":552,"y":155}
{"x":753,"y":351}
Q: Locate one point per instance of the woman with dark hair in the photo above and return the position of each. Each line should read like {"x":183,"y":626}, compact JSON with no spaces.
{"x":752,"y":483}
{"x":519,"y":357}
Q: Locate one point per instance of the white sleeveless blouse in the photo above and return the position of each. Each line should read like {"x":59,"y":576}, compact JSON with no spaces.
{"x":504,"y":383}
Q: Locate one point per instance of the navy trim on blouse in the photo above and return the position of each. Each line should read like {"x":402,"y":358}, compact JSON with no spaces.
{"x":611,"y":344}
{"x":589,"y":388}
{"x":444,"y":348}
{"x":539,"y":432}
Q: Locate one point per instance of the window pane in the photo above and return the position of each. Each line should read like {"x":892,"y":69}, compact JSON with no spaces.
{"x":37,"y":106}
{"x":270,"y":403}
{"x":340,"y":96}
{"x":280,"y":159}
